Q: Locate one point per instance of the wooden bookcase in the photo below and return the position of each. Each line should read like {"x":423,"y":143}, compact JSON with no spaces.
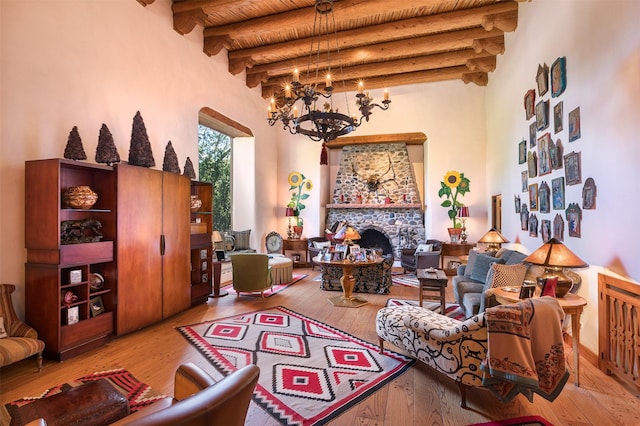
{"x":202,"y":255}
{"x":54,"y":268}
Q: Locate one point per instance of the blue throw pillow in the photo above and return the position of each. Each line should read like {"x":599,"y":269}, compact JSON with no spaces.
{"x":482,"y":265}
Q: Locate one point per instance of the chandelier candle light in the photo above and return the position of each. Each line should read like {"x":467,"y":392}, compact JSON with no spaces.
{"x":326,"y":123}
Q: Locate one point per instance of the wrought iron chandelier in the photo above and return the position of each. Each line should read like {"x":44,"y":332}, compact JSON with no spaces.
{"x":325,"y":123}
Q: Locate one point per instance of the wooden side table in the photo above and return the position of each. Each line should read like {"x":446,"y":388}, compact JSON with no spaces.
{"x":432,"y":281}
{"x":217,"y":271}
{"x":453,"y":250}
{"x":571,"y":304}
{"x":300,"y":245}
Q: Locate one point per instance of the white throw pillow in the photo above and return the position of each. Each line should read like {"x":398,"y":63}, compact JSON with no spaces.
{"x":424,"y":247}
{"x":321,"y":244}
{"x":3,"y":331}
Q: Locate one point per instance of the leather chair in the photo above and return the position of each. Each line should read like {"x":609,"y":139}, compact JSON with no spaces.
{"x":251,"y":273}
{"x":22,"y":340}
{"x":412,"y":259}
{"x":198,"y":400}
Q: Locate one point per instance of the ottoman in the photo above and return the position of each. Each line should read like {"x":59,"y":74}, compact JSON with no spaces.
{"x":281,"y":270}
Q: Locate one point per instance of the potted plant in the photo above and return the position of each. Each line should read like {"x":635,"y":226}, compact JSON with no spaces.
{"x":453,"y":185}
{"x":298,"y":182}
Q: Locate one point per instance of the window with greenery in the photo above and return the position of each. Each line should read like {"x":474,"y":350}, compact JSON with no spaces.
{"x":214,"y":162}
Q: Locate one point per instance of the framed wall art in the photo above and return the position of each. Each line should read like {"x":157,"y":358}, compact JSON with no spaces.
{"x":572,"y":168}
{"x":532,"y":164}
{"x":516,"y":200}
{"x":524,"y":217}
{"x":558,"y":227}
{"x":557,"y":117}
{"x":529,"y":102}
{"x":542,"y":115}
{"x":555,"y":154}
{"x":533,"y":225}
{"x":533,"y":197}
{"x":574,"y":124}
{"x":557,"y":193}
{"x":542,"y":78}
{"x":544,"y":197}
{"x":522,"y":152}
{"x":532,"y":134}
{"x":589,"y":192}
{"x":524,"y":180}
{"x":573,"y":214}
{"x":558,"y":76}
{"x":96,"y":306}
{"x":545,"y":230}
{"x":544,"y":160}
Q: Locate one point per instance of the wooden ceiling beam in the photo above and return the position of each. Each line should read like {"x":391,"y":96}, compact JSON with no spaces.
{"x":413,"y":27}
{"x":479,"y":78}
{"x":492,"y":45}
{"x":185,"y":22}
{"x":484,"y":64}
{"x":419,"y":46}
{"x":506,"y":21}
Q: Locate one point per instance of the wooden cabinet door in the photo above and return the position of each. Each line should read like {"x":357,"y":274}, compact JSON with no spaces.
{"x":139,"y":216}
{"x":176,"y":286}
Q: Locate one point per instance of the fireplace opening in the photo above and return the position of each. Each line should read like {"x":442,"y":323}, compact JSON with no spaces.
{"x":374,"y":239}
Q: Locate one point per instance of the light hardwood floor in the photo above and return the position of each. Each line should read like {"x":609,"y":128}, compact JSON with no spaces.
{"x":418,"y":397}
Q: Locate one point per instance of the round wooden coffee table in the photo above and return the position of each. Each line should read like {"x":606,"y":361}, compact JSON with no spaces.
{"x":348,"y":300}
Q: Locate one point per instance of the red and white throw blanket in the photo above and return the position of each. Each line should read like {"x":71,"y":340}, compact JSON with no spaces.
{"x":525,"y":349}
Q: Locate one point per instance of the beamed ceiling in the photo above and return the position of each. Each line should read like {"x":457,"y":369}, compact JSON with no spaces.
{"x":386,"y":43}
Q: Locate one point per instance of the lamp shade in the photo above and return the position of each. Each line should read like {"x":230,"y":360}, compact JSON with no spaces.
{"x":351,"y":234}
{"x":555,"y":254}
{"x":216,"y":237}
{"x":463,"y":211}
{"x":493,"y":237}
{"x":289,"y":211}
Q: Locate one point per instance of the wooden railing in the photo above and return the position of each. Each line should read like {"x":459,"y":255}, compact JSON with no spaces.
{"x":619,"y":328}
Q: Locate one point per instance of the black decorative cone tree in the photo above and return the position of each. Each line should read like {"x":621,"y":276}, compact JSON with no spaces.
{"x":74,"y":149}
{"x":106,"y":151}
{"x":140,"y":153}
{"x":170,"y":163}
{"x":188,"y":169}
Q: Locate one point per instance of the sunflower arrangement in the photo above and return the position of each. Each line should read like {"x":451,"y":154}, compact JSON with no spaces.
{"x":298,"y":183}
{"x":454,"y":184}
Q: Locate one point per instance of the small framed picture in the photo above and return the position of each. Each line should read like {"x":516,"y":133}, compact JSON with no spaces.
{"x":220,"y":255}
{"x":557,"y":117}
{"x":337,"y":256}
{"x":545,"y":230}
{"x":75,"y":276}
{"x":522,"y":152}
{"x":558,"y":76}
{"x":533,"y":128}
{"x":203,"y":265}
{"x":555,"y":154}
{"x":524,"y":217}
{"x":533,"y":197}
{"x":532,"y":164}
{"x":205,"y":278}
{"x":589,"y":192}
{"x":527,"y":290}
{"x":574,"y":219}
{"x":544,"y":159}
{"x":529,"y":102}
{"x":572,"y":170}
{"x":544,"y":195}
{"x":295,"y":257}
{"x":542,"y":115}
{"x":542,"y":78}
{"x":516,"y":199}
{"x":96,"y":306}
{"x":557,"y":193}
{"x":533,"y":225}
{"x":203,"y":253}
{"x":524,"y":179}
{"x":574,"y":124}
{"x":558,"y":227}
{"x":73,"y":315}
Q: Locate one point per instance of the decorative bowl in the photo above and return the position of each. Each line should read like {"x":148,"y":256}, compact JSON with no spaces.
{"x":196,"y":203}
{"x":80,"y":197}
{"x":96,"y":281}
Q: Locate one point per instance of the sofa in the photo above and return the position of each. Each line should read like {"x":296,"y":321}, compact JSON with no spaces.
{"x":472,"y":281}
{"x":237,"y":242}
{"x":369,"y":279}
{"x":422,"y":257}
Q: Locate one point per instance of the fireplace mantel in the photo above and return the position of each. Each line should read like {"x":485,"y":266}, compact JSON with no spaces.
{"x":374,"y":206}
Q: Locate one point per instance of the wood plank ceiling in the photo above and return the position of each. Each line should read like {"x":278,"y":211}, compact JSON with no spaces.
{"x":386,"y":43}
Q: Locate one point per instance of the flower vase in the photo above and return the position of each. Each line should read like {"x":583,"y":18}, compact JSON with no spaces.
{"x":454,"y":234}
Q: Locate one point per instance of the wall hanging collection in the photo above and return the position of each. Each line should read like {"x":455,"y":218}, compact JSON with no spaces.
{"x":545,"y":156}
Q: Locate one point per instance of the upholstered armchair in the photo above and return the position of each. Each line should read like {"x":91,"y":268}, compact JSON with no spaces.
{"x":251,"y":273}
{"x":423,"y":257}
{"x":17,"y":340}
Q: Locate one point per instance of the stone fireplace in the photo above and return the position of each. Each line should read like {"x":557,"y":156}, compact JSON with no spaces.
{"x":376,"y":193}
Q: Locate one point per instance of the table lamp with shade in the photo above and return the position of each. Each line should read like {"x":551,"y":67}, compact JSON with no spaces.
{"x":216,"y":239}
{"x":463,"y":214}
{"x":494,"y":239}
{"x":555,"y":256}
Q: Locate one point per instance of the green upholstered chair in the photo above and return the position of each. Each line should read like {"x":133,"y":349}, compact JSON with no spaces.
{"x":20,"y":341}
{"x":251,"y":273}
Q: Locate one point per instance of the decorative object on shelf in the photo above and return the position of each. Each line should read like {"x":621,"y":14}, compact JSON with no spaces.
{"x":529,"y":102}
{"x":572,"y":168}
{"x":73,"y":315}
{"x":574,"y":124}
{"x":298,"y":183}
{"x":589,"y":192}
{"x":106,"y":151}
{"x":80,"y":231}
{"x":69,"y":298}
{"x":558,"y":227}
{"x":170,"y":163}
{"x":95,"y":306}
{"x":574,"y":219}
{"x":196,"y":203}
{"x":557,"y":117}
{"x":555,"y":256}
{"x":75,"y":276}
{"x":454,"y":184}
{"x":74,"y":150}
{"x":323,"y":123}
{"x":80,"y":197}
{"x":463,"y":214}
{"x":189,"y":170}
{"x":96,"y":281}
{"x":493,"y":239}
{"x":558,"y":76}
{"x":140,"y":153}
{"x":542,"y":78}
{"x":542,"y":115}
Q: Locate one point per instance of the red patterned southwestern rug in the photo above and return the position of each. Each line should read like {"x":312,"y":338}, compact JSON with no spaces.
{"x":310,"y":372}
{"x":139,"y":394}
{"x":270,"y":292}
{"x":518,"y":421}
{"x":452,"y":310}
